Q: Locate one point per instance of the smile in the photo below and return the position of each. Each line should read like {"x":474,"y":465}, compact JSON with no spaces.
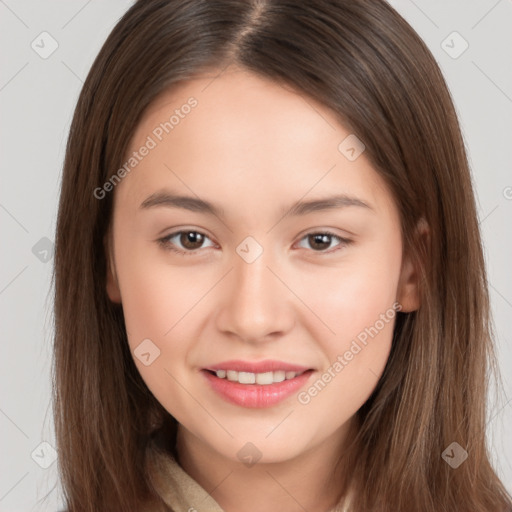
{"x":256,"y":385}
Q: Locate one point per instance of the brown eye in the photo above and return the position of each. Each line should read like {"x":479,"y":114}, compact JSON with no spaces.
{"x":191,"y":239}
{"x":187,"y":242}
{"x":321,"y":241}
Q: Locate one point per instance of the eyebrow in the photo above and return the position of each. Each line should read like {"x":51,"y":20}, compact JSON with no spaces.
{"x":195,"y":204}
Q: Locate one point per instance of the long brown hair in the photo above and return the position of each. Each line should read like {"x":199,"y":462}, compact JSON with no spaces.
{"x":360,"y":59}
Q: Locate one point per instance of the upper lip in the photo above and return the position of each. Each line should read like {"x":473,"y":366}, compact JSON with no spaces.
{"x":258,"y":367}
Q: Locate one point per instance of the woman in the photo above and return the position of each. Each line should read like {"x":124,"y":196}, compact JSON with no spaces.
{"x":265,"y":370}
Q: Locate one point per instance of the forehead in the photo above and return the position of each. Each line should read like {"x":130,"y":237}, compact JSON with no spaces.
{"x":236,"y":104}
{"x":244,"y":133}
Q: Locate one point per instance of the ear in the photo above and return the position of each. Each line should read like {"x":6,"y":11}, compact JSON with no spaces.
{"x":112,"y":285}
{"x":408,"y":294}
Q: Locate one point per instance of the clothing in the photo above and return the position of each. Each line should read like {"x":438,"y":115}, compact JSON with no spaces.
{"x":179,"y":490}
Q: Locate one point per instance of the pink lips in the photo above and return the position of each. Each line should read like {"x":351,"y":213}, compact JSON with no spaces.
{"x":255,"y":395}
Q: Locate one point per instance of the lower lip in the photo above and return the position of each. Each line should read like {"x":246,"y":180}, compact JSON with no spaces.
{"x":256,"y":395}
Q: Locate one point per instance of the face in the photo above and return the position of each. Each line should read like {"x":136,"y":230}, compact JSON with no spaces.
{"x":259,"y":307}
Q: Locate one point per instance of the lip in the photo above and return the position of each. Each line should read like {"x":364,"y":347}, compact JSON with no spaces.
{"x":256,"y":396}
{"x":268,"y":365}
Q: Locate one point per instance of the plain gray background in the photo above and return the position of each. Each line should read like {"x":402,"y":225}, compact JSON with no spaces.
{"x":38,"y":93}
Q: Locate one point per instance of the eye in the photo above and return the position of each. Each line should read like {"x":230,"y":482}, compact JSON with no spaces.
{"x":190,"y":241}
{"x":319,"y":241}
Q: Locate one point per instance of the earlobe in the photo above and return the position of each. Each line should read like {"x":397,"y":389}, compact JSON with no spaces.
{"x":408,"y":289}
{"x":112,"y":285}
{"x":409,"y":284}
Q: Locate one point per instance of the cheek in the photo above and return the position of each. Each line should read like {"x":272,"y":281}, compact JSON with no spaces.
{"x":157,"y":297}
{"x":357,"y":305}
{"x":164,"y":304}
{"x":158,"y":305}
{"x":355,"y":356}
{"x":352,"y":296}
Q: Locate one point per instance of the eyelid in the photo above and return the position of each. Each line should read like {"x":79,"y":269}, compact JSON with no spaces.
{"x":167,"y":245}
{"x":343,"y":241}
{"x":164,"y":241}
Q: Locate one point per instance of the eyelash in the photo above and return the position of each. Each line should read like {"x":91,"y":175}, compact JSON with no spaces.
{"x":166,"y":244}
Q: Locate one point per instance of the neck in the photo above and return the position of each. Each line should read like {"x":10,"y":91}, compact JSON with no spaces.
{"x":311,"y":481}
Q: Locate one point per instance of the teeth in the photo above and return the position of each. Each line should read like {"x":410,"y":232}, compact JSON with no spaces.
{"x":264,"y":378}
{"x":232,"y":375}
{"x":279,"y":376}
{"x":256,"y":378}
{"x":246,"y":378}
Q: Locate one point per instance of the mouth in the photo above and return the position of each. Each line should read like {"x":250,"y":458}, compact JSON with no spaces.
{"x":256,"y":385}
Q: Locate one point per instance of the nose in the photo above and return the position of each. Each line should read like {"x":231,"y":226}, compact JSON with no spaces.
{"x":256,"y":304}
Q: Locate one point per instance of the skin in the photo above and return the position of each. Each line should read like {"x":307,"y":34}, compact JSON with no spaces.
{"x":255,"y":148}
